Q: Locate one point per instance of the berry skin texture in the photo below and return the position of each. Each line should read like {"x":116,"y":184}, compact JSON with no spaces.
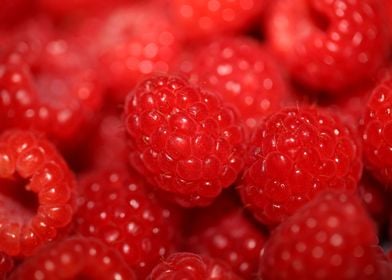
{"x":329,"y":238}
{"x":293,"y":155}
{"x":6,"y":265}
{"x":74,"y":258}
{"x":115,"y":207}
{"x":245,"y":74}
{"x":47,"y":85}
{"x":328,"y":45}
{"x":224,"y":231}
{"x":377,"y":133}
{"x":202,"y":18}
{"x":32,"y":169}
{"x":191,"y":266}
{"x":183,"y":139}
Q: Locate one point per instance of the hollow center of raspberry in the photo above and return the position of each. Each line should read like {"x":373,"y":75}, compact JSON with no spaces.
{"x":319,"y":19}
{"x":17,"y":203}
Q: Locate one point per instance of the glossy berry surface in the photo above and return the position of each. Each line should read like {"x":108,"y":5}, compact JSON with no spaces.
{"x":295,"y":154}
{"x":245,"y":74}
{"x":377,"y":133}
{"x":210,"y":18}
{"x":225,"y":231}
{"x":35,"y":195}
{"x":116,"y":207}
{"x":184,"y":140}
{"x":330,"y":238}
{"x":328,"y":45}
{"x":74,"y":258}
{"x":193,"y":267}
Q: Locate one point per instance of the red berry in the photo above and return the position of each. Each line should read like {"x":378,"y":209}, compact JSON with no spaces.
{"x":47,"y":85}
{"x":293,"y":155}
{"x":35,"y":194}
{"x":224,"y":231}
{"x":376,"y":134}
{"x":14,"y":11}
{"x":245,"y":74}
{"x":328,"y":44}
{"x":133,"y":42}
{"x":193,"y":267}
{"x":203,"y":18}
{"x":330,"y":238}
{"x":6,"y":265}
{"x":116,"y":207}
{"x":74,"y":258}
{"x":184,"y":140}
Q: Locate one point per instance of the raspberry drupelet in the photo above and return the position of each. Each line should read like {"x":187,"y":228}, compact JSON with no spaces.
{"x":183,"y":139}
{"x":35,"y":194}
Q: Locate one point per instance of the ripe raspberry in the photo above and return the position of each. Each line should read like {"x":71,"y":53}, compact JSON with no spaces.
{"x":6,"y":265}
{"x":184,"y":140}
{"x":330,"y":238}
{"x":245,"y":74}
{"x":48,"y":86}
{"x":74,"y":258}
{"x":375,"y":199}
{"x":225,"y":232}
{"x":203,"y":18}
{"x":115,"y":207}
{"x":328,"y":44}
{"x":132,"y":42}
{"x":293,"y":155}
{"x":35,"y":194}
{"x":377,"y":133}
{"x":193,"y":267}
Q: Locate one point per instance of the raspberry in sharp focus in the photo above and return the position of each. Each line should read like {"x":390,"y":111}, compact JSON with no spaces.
{"x":116,"y":207}
{"x":192,"y":266}
{"x":328,"y":45}
{"x":376,"y":130}
{"x":293,"y":155}
{"x":184,"y":140}
{"x":329,"y":238}
{"x":74,"y":258}
{"x":35,"y":194}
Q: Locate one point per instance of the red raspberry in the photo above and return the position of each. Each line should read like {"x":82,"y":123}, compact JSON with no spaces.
{"x":6,"y":265}
{"x":14,"y":11}
{"x":184,"y":140}
{"x":329,"y":238}
{"x":375,"y":199}
{"x":48,"y":86}
{"x":245,"y":74}
{"x":132,"y":42}
{"x":35,"y":195}
{"x":377,"y":132}
{"x":203,"y":18}
{"x":328,"y":44}
{"x":193,"y":267}
{"x":74,"y":258}
{"x":224,"y":231}
{"x":116,"y":208}
{"x":295,"y":154}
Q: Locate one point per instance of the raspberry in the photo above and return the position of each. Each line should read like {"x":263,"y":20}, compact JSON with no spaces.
{"x":48,"y":86}
{"x":116,"y":207}
{"x":245,"y":74}
{"x":293,"y":155}
{"x":328,"y":44}
{"x":329,"y":238}
{"x":133,"y":42}
{"x":225,"y":232}
{"x":74,"y":258}
{"x":14,"y":11}
{"x":377,"y":139}
{"x":6,"y":265}
{"x":202,"y":18}
{"x":193,"y":267}
{"x":35,"y":196}
{"x":184,"y":140}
